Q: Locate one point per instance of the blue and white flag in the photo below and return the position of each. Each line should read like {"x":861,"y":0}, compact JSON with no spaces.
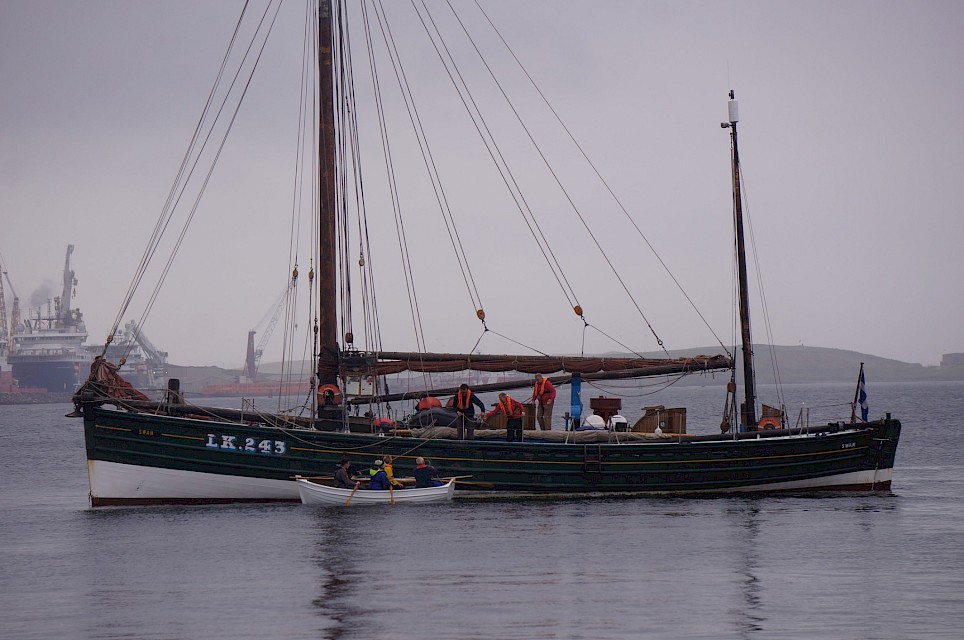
{"x":862,"y":397}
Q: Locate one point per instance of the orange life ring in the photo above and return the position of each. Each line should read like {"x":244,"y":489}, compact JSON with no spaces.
{"x":769,"y":423}
{"x":328,"y":394}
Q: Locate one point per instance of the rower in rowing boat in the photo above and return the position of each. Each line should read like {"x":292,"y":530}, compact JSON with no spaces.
{"x":342,"y":477}
{"x":425,"y":474}
{"x":379,"y":479}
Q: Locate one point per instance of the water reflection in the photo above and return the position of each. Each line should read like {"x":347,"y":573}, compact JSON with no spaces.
{"x":746,"y":518}
{"x":338,"y":588}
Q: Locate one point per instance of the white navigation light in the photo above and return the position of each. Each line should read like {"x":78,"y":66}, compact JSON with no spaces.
{"x":734,"y":110}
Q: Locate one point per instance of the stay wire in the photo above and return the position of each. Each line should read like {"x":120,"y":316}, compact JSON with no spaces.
{"x":167,"y":210}
{"x":429,"y":159}
{"x":768,"y":328}
{"x":602,"y":179}
{"x":389,"y":168}
{"x":498,"y":159}
{"x":562,"y":188}
{"x":190,"y":217}
{"x":197,"y":201}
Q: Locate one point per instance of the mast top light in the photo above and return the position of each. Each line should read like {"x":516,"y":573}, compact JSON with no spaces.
{"x":733,"y":108}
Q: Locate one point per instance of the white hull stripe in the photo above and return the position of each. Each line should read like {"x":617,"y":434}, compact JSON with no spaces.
{"x":852,"y":479}
{"x":112,"y":480}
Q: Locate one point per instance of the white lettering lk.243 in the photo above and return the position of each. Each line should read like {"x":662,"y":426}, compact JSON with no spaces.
{"x":250,"y":445}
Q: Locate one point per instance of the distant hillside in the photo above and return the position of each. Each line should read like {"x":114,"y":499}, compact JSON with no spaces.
{"x":801,"y":364}
{"x":797,"y":364}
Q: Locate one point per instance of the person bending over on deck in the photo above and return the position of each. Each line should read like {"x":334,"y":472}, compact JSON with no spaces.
{"x":464,"y":404}
{"x":379,"y":479}
{"x":425,"y":475}
{"x":513,"y":411}
{"x":545,"y":394}
{"x":342,"y":478}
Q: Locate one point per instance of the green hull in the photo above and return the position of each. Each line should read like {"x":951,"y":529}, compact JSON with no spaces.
{"x":139,"y":458}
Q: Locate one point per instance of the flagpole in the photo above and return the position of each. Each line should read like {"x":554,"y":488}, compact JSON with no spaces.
{"x":853,"y":405}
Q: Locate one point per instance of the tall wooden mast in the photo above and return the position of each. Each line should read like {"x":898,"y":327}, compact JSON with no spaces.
{"x":749,"y":380}
{"x":327,"y":295}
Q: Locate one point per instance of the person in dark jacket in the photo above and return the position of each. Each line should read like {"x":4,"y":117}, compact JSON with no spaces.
{"x":342,"y":477}
{"x":464,"y":402}
{"x":425,"y":474}
{"x":379,"y":479}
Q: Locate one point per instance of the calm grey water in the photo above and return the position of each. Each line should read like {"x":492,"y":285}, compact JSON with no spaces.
{"x":835,"y":566}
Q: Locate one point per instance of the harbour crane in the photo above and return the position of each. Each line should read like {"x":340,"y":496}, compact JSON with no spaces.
{"x":4,"y":331}
{"x":7,"y":330}
{"x":253,"y":355}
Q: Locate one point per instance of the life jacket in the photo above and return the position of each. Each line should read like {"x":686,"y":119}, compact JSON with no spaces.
{"x":540,"y":388}
{"x":506,"y":407}
{"x":379,"y":480}
{"x":463,"y":400}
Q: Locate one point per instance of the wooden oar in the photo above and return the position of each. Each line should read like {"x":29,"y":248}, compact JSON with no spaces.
{"x":391,"y":494}
{"x":455,"y":478}
{"x":348,"y":501}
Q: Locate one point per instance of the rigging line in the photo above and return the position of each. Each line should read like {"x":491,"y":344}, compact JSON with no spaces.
{"x":562,"y":188}
{"x":515,"y":191}
{"x":601,"y":179}
{"x":207,"y":179}
{"x":393,"y":186}
{"x":151,"y":246}
{"x":481,"y":335}
{"x":291,"y":308}
{"x":498,"y":159}
{"x":524,"y":346}
{"x":197,"y":159}
{"x":366,"y":261}
{"x":763,"y":301}
{"x":339,"y":181}
{"x":289,"y":297}
{"x":313,"y":335}
{"x":661,"y":386}
{"x":298,"y":182}
{"x":524,"y":127}
{"x":428,"y":158}
{"x":348,"y":143}
{"x":633,"y":351}
{"x":366,"y":276}
{"x":415,"y":310}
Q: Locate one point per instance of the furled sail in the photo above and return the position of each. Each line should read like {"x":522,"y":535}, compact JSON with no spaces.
{"x":396,"y":362}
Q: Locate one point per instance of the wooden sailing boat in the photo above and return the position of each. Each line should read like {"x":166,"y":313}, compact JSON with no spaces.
{"x":143,"y":452}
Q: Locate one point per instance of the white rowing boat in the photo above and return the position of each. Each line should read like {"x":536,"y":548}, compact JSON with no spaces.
{"x":314,"y":493}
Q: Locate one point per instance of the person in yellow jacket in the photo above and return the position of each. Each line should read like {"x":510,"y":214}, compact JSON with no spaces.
{"x":390,"y":472}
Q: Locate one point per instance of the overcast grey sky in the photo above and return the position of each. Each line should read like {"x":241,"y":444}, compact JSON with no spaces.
{"x":852,"y":142}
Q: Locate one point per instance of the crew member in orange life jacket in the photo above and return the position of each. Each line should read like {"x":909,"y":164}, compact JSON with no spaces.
{"x":513,"y":411}
{"x":464,"y":403}
{"x":545,"y":394}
